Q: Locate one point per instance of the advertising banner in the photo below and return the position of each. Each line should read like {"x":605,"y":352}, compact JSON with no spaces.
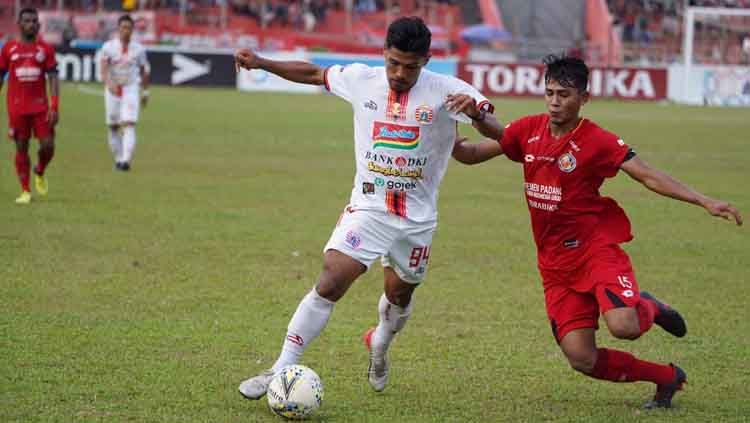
{"x":186,"y":67}
{"x":168,"y":66}
{"x":444,"y":66}
{"x":259,"y":80}
{"x":511,"y":79}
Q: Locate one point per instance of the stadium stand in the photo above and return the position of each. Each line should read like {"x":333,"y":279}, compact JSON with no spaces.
{"x":605,"y":32}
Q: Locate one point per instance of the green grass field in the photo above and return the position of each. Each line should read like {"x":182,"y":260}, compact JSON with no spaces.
{"x":148,"y":296}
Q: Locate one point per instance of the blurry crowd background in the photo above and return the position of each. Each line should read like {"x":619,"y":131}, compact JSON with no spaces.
{"x":650,"y":31}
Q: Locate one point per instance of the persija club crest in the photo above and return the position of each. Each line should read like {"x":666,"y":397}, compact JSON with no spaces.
{"x":423,"y":114}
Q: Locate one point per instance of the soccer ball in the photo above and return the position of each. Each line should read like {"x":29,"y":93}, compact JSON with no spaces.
{"x":295,"y":392}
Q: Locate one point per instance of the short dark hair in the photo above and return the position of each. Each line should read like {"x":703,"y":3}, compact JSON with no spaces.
{"x":125,"y":18}
{"x":26,"y":10}
{"x":569,"y":71}
{"x":410,"y":35}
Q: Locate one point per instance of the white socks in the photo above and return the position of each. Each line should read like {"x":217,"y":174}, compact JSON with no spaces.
{"x":307,"y":323}
{"x":392,"y":320}
{"x":128,"y":143}
{"x":115,"y":143}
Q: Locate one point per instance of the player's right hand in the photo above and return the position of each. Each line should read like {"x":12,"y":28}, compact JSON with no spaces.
{"x":724,"y":210}
{"x":53,"y":117}
{"x":112,"y":88}
{"x":246,"y":59}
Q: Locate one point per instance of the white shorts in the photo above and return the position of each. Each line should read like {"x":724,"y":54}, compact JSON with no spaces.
{"x":124,"y":108}
{"x":402,"y":244}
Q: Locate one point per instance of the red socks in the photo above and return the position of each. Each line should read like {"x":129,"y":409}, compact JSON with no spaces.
{"x":619,"y":366}
{"x":45,"y":156}
{"x":647,"y":311}
{"x":23,"y":169}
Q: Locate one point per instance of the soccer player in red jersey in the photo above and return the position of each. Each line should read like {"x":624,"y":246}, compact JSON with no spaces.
{"x":577,"y":231}
{"x":27,"y":61}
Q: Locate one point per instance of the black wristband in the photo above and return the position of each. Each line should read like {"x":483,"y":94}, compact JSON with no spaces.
{"x":482,"y":114}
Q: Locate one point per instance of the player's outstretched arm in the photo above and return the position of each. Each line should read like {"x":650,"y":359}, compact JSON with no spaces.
{"x":473,"y":153}
{"x":295,"y":71}
{"x":661,"y":183}
{"x":145,"y":83}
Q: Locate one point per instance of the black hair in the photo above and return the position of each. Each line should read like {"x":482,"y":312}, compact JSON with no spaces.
{"x":570,"y":72}
{"x":410,"y":35}
{"x":26,"y":10}
{"x":125,"y":18}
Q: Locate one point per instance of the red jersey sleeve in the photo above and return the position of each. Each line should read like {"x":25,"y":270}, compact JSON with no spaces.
{"x":50,"y":62}
{"x":511,"y":140}
{"x":611,"y":153}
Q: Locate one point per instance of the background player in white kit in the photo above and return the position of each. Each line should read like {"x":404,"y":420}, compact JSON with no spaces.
{"x":404,"y":130}
{"x":125,"y":75}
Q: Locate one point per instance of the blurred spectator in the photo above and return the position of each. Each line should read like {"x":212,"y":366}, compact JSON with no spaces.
{"x":651,"y":31}
{"x":365,"y":6}
{"x":629,"y":20}
{"x":578,"y":50}
{"x":69,"y":33}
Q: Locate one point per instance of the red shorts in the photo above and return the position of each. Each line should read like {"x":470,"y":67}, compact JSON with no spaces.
{"x":20,"y":127}
{"x":575,"y":298}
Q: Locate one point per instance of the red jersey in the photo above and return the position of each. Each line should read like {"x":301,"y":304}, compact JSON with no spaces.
{"x":562,"y":178}
{"x":26,"y":65}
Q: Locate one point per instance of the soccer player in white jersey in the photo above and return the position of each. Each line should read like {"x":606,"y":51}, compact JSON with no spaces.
{"x":125,"y":76}
{"x":404,"y":127}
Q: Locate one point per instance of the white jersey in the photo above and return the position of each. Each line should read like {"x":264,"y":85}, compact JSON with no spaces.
{"x":124,"y":61}
{"x":403,"y":141}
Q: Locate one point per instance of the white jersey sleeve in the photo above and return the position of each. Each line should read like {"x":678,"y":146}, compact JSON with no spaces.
{"x":343,"y":81}
{"x":457,"y":86}
{"x":106,"y":51}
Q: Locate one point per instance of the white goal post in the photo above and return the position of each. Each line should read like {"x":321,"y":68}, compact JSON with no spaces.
{"x":708,"y":77}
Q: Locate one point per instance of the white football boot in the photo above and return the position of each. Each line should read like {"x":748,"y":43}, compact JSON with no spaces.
{"x":255,"y":387}
{"x":377,"y":372}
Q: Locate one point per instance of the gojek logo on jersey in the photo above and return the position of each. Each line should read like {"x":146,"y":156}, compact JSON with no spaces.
{"x":390,"y":135}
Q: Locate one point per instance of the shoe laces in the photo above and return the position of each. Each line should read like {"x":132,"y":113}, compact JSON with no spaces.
{"x":377,"y":364}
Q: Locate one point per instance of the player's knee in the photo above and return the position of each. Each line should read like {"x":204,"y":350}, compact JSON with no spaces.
{"x":336,"y":277}
{"x":624,"y":329}
{"x":47,"y":145}
{"x":399,"y":297}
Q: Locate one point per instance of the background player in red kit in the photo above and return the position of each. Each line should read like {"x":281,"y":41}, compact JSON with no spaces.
{"x":577,"y":231}
{"x":27,"y":61}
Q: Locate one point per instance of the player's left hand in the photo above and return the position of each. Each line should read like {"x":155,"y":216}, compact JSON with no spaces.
{"x":52,"y":117}
{"x":723,"y":209}
{"x":462,"y":103}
